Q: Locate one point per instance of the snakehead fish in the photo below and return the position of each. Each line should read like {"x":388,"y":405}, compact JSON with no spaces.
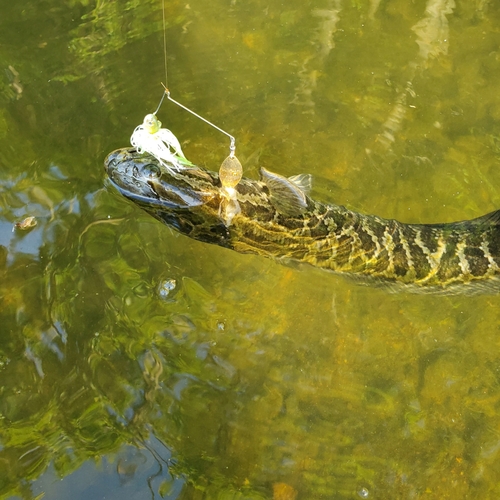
{"x":275,"y":218}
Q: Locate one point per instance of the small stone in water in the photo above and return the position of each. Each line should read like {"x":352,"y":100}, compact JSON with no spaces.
{"x":26,"y":224}
{"x":283,"y":491}
{"x":363,"y":493}
{"x":166,"y":287}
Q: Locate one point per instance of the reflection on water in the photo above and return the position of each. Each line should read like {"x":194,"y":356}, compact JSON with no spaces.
{"x":433,"y":31}
{"x":324,"y":40}
{"x":433,"y":40}
{"x":137,"y":363}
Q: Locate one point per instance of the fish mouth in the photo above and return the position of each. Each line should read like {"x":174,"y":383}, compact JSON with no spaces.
{"x":147,"y":181}
{"x":126,"y":174}
{"x":187,"y":199}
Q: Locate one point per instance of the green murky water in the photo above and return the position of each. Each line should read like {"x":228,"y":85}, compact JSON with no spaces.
{"x":249,"y":380}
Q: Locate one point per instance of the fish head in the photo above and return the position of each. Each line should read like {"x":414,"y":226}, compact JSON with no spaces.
{"x":188,"y":199}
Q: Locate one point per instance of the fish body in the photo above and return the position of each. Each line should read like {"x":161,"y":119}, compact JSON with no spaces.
{"x":278,"y":219}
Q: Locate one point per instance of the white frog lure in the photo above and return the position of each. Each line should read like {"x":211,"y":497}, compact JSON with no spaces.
{"x":149,"y":137}
{"x":163,"y":145}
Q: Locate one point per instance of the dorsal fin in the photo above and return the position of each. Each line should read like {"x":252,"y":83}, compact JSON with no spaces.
{"x":285,"y":195}
{"x":302,"y":181}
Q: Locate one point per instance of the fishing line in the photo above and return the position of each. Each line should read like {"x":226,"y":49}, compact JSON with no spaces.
{"x":150,"y":137}
{"x":166,"y":93}
{"x":164,"y":55}
{"x":164,"y":43}
{"x":232,"y":146}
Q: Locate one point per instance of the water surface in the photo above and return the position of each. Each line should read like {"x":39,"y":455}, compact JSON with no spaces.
{"x":242,"y":378}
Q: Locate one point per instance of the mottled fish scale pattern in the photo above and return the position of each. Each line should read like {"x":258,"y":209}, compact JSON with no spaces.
{"x":427,"y":257}
{"x":459,"y":257}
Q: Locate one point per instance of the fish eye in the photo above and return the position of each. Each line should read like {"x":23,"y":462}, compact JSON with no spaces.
{"x":151,"y":171}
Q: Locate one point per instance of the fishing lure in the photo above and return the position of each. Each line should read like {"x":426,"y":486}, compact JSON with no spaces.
{"x":230,"y":174}
{"x":163,"y":145}
{"x":149,"y":137}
